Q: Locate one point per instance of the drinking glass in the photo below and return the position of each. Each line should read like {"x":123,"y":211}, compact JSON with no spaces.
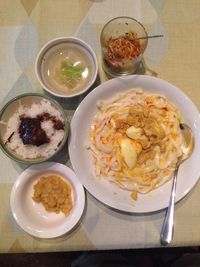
{"x":121,"y":49}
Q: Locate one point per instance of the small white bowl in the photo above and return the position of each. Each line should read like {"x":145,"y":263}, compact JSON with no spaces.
{"x":71,"y":49}
{"x":31,"y":216}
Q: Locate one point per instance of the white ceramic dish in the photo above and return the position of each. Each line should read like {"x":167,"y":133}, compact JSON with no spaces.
{"x":31,"y":216}
{"x":109,"y":193}
{"x":59,"y":45}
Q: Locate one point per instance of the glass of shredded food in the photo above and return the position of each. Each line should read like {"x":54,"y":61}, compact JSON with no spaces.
{"x":55,"y":193}
{"x":122,"y":51}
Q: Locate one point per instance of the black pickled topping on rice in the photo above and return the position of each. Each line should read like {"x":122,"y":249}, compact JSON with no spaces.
{"x":57,"y":124}
{"x":9,"y":138}
{"x":31,"y":132}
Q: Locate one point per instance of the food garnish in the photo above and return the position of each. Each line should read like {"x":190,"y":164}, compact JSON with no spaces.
{"x":31,"y":132}
{"x":69,"y":73}
{"x":9,"y":138}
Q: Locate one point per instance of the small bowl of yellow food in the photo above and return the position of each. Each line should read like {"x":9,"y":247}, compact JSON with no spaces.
{"x":47,"y":200}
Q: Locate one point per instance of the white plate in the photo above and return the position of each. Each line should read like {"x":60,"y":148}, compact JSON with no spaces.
{"x":109,"y":193}
{"x":31,"y":216}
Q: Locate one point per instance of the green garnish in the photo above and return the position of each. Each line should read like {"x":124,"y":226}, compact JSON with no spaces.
{"x":69,"y":74}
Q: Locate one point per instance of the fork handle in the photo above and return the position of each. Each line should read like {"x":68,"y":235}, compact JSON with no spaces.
{"x":168,"y":224}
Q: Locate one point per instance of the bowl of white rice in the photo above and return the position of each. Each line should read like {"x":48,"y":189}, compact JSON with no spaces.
{"x":33,"y":128}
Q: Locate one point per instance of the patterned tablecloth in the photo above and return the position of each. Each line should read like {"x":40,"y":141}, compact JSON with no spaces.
{"x":24,"y":27}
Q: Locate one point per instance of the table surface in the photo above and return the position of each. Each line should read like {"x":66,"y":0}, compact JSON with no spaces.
{"x":27,"y":25}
